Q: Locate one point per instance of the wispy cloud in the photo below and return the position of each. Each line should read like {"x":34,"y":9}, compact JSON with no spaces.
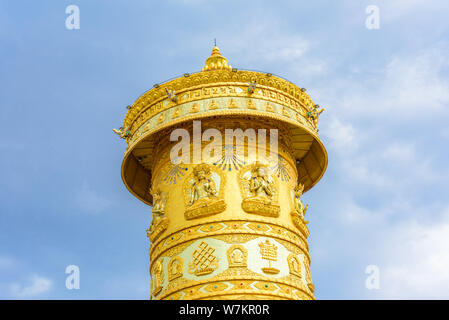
{"x":38,"y":286}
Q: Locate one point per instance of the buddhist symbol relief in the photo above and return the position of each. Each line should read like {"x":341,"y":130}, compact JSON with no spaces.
{"x":268,"y":251}
{"x":203,"y":260}
{"x":203,"y":192}
{"x":259,"y":190}
{"x":237,"y":256}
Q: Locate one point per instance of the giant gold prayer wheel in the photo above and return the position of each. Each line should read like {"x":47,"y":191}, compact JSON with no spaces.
{"x":227,"y":223}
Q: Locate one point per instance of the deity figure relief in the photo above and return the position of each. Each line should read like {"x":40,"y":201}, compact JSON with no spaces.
{"x":259,"y":191}
{"x":175,"y":268}
{"x":299,"y":206}
{"x":160,"y":221}
{"x":294,"y":265}
{"x":299,"y":210}
{"x":157,"y":278}
{"x":203,"y":187}
{"x":202,"y":191}
{"x":260,"y":185}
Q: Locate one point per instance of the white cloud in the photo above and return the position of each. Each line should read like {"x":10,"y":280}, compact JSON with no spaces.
{"x":341,"y":135}
{"x":416,"y":260}
{"x":411,"y":87}
{"x":259,"y":45}
{"x":39,"y":285}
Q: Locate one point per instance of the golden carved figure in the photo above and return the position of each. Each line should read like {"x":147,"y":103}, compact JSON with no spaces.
{"x":171,"y":95}
{"x":232,"y":104}
{"x":176,"y":113}
{"x":203,"y":194}
{"x":251,"y":105}
{"x":260,"y":192}
{"x":160,"y":221}
{"x":174,"y":268}
{"x":299,"y":210}
{"x":299,"y":206}
{"x":260,"y":185}
{"x":195,"y":108}
{"x":203,"y":186}
{"x":294,"y":265}
{"x":122,"y":133}
{"x":268,"y":107}
{"x":213,"y":105}
{"x":314,"y":114}
{"x":157,"y":278}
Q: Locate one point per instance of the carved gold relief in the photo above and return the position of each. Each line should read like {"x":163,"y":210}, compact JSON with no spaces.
{"x":157,"y":278}
{"x":294,"y":265}
{"x":250,"y":104}
{"x":204,"y":192}
{"x":213,"y":105}
{"x":237,"y":256}
{"x":176,"y":113}
{"x":160,"y":221}
{"x":203,"y":260}
{"x":268,"y":107}
{"x":268,"y":251}
{"x":232,"y":104}
{"x":174,"y":267}
{"x":195,"y":108}
{"x":299,"y":210}
{"x":259,"y":191}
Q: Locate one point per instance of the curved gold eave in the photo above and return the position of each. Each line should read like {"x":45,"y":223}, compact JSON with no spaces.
{"x":310,"y":169}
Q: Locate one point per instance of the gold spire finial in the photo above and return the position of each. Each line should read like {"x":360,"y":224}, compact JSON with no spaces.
{"x":216,"y":61}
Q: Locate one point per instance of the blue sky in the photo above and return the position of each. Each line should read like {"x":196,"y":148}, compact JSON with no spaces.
{"x":383,"y":200}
